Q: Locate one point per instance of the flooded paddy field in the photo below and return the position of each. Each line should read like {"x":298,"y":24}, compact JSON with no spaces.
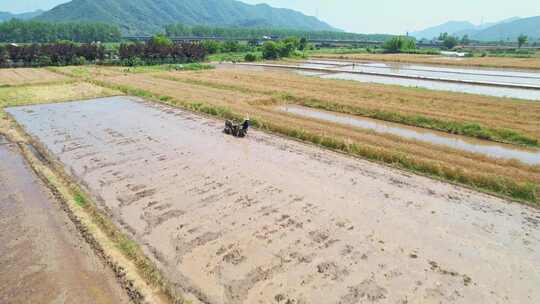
{"x":266,"y":219}
{"x":498,"y":83}
{"x":490,"y":149}
{"x":43,"y":257}
{"x":514,"y":76}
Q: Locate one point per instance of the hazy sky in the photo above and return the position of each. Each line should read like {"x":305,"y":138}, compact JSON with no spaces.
{"x":379,"y":16}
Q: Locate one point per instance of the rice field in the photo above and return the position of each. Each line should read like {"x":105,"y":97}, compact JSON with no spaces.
{"x":492,"y":62}
{"x":236,"y":93}
{"x":15,"y":77}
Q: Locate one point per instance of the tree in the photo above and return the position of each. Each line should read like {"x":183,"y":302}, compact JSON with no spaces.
{"x":449,"y":41}
{"x":399,"y":44}
{"x":465,"y":40}
{"x":270,"y":50}
{"x":522,"y":40}
{"x":303,"y":44}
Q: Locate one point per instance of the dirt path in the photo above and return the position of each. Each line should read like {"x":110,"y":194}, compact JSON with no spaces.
{"x":43,"y":258}
{"x":270,"y":220}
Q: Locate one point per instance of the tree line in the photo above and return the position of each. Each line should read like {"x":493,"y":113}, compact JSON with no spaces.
{"x":18,"y":31}
{"x":58,"y":54}
{"x":158,"y":50}
{"x":179,"y":30}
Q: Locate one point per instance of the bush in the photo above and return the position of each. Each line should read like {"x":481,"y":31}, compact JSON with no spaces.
{"x":399,"y":44}
{"x":211,"y":46}
{"x":270,"y":50}
{"x":250,"y":57}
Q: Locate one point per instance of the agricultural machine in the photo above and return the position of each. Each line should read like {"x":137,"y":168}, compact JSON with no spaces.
{"x":236,"y":130}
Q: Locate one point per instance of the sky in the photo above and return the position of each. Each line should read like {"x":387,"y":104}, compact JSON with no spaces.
{"x":364,"y":16}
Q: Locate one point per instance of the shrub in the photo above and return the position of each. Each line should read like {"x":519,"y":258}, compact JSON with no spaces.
{"x":250,"y":57}
{"x":399,"y":44}
{"x":270,"y":50}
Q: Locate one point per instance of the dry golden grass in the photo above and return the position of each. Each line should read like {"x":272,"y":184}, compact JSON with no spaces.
{"x":39,"y":94}
{"x":87,"y":71}
{"x":15,"y":77}
{"x":186,"y":92}
{"x":522,"y":116}
{"x":495,"y":62}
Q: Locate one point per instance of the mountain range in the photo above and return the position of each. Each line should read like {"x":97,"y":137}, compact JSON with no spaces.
{"x":505,"y":30}
{"x":24,"y":16}
{"x":149,"y":16}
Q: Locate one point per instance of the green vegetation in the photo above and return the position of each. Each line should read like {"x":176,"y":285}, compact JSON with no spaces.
{"x":169,"y":67}
{"x":449,"y":41}
{"x":522,"y":40}
{"x":399,"y":44}
{"x":40,"y":32}
{"x":136,"y":17}
{"x":178,"y":30}
{"x":79,"y":200}
{"x":288,"y":47}
{"x":233,"y":57}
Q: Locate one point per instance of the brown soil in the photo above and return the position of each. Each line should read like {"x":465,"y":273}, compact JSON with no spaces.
{"x":43,"y":257}
{"x":270,"y":220}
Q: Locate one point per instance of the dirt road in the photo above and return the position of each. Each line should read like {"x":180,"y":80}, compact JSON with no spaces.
{"x":270,"y":220}
{"x":43,"y":258}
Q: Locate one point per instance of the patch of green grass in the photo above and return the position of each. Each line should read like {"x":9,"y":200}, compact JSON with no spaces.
{"x":232,"y":57}
{"x":79,"y":200}
{"x":169,"y":67}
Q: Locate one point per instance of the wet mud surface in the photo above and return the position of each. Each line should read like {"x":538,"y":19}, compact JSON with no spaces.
{"x":43,"y":257}
{"x":269,"y":220}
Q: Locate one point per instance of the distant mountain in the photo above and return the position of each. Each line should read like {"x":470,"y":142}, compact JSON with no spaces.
{"x":4,"y":16}
{"x":149,"y":16}
{"x":473,"y":31}
{"x":459,"y":28}
{"x":448,"y":27}
{"x":510,"y":31}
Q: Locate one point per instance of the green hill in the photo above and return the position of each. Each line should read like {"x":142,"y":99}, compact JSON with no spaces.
{"x":4,"y":16}
{"x":150,"y":16}
{"x":510,"y":31}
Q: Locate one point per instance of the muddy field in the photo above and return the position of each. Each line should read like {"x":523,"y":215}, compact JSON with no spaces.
{"x":270,"y":220}
{"x":42,"y":255}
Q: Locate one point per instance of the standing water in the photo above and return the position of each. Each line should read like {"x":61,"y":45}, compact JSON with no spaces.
{"x":495,"y":150}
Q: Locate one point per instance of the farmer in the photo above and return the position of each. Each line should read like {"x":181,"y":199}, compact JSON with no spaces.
{"x":245,"y":125}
